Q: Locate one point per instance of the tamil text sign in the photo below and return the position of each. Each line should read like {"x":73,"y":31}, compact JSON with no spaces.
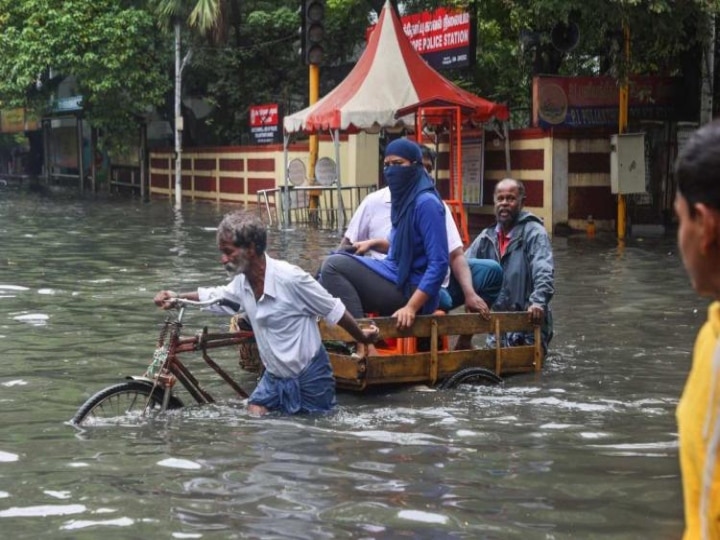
{"x":444,"y":37}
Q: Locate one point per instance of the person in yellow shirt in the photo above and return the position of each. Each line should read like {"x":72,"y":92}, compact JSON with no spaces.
{"x":697,"y":204}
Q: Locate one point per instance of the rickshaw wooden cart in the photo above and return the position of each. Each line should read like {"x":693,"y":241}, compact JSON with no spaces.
{"x":409,"y":362}
{"x":420,"y":355}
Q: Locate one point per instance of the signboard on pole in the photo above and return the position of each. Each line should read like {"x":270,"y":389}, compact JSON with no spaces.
{"x":594,"y":101}
{"x":265,"y":123}
{"x":67,"y":104}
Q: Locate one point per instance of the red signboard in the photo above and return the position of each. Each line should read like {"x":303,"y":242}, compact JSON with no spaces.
{"x":443,"y":37}
{"x":595,"y":101}
{"x":264,"y":115}
{"x":265,"y":123}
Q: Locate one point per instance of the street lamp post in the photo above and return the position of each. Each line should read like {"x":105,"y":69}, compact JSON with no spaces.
{"x":178,"y":119}
{"x":179,"y":66}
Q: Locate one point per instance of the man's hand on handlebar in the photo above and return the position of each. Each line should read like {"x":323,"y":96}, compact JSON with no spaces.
{"x":171,"y":300}
{"x":165,"y":299}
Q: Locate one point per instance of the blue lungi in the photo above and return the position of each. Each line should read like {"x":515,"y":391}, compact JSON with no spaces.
{"x":313,"y":390}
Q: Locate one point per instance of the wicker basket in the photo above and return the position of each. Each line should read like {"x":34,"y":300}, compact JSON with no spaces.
{"x":248,"y":349}
{"x":250,"y":356}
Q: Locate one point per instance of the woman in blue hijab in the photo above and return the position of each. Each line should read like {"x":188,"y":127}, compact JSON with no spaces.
{"x":408,"y":281}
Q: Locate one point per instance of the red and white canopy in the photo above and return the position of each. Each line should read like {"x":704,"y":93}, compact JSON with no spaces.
{"x":389,"y":81}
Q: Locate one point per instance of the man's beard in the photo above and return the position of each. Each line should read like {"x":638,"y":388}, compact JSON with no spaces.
{"x":507,"y":219}
{"x":233,"y":269}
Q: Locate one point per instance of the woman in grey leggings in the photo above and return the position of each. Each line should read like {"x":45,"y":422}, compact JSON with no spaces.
{"x":361,"y":289}
{"x":408,"y":281}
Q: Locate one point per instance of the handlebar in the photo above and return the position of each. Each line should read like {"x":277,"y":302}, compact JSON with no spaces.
{"x":184,"y":302}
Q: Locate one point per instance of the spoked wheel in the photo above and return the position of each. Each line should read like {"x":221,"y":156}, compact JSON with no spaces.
{"x":473,"y":375}
{"x":126,"y":399}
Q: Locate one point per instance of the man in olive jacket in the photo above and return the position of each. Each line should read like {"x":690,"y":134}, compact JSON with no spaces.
{"x":519,"y":242}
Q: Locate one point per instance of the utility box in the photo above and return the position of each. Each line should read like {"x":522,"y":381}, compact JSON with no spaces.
{"x":627,"y":163}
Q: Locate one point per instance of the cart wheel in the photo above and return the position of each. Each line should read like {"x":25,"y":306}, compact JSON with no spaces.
{"x":472,"y":375}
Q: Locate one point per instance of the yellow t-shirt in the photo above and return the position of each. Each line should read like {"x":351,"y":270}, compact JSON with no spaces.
{"x":698,"y":423}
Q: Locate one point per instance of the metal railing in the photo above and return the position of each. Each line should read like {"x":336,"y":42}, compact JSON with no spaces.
{"x":294,"y":202}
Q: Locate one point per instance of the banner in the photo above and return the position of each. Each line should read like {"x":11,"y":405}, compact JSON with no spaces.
{"x":443,"y":37}
{"x":595,"y":101}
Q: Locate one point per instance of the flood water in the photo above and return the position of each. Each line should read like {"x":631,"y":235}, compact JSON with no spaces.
{"x":586,"y":449}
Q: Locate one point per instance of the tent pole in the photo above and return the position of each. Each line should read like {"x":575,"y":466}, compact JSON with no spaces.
{"x":483,"y":142}
{"x":285,"y":214}
{"x":506,"y":132}
{"x":340,"y":205}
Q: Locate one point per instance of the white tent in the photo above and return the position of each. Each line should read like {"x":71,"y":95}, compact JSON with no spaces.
{"x":387,"y":85}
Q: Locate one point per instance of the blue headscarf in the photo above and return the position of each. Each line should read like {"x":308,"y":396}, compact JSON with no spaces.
{"x":405,"y":184}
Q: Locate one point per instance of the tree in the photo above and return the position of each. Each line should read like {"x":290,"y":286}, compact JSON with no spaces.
{"x":108,"y":46}
{"x":259,"y":62}
{"x":666,"y":38}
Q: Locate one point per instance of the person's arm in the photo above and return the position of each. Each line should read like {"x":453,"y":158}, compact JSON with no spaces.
{"x":345,"y":243}
{"x":461,"y":271}
{"x":164,"y":298}
{"x":381,"y":245}
{"x":318,"y":301}
{"x":362,"y":335}
{"x":354,"y":231}
{"x":478,"y":248}
{"x":540,"y":258}
{"x":430,"y":225}
{"x":406,"y":314}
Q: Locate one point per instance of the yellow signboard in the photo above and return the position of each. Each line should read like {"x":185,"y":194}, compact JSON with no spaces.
{"x":18,"y":120}
{"x":12,"y":120}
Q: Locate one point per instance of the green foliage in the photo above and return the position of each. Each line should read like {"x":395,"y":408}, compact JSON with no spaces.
{"x":260,"y":63}
{"x":665,"y":37}
{"x":245,"y":52}
{"x":109,"y":49}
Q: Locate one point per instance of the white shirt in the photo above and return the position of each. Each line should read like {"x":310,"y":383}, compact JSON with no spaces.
{"x":372,"y":220}
{"x":284,"y":320}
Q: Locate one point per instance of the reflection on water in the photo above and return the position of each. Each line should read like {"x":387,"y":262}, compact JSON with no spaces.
{"x":585,"y":449}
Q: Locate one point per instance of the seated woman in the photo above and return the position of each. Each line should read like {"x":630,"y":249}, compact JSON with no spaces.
{"x":407,"y":282}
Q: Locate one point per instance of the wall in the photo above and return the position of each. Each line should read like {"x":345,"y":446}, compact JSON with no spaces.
{"x":531,"y":161}
{"x":566,"y":174}
{"x":238,"y":174}
{"x":589,"y":191}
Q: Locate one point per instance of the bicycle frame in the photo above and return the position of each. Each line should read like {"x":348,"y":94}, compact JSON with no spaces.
{"x":166,"y":369}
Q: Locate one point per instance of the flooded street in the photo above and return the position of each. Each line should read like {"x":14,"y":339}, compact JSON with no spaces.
{"x":585,"y":449}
